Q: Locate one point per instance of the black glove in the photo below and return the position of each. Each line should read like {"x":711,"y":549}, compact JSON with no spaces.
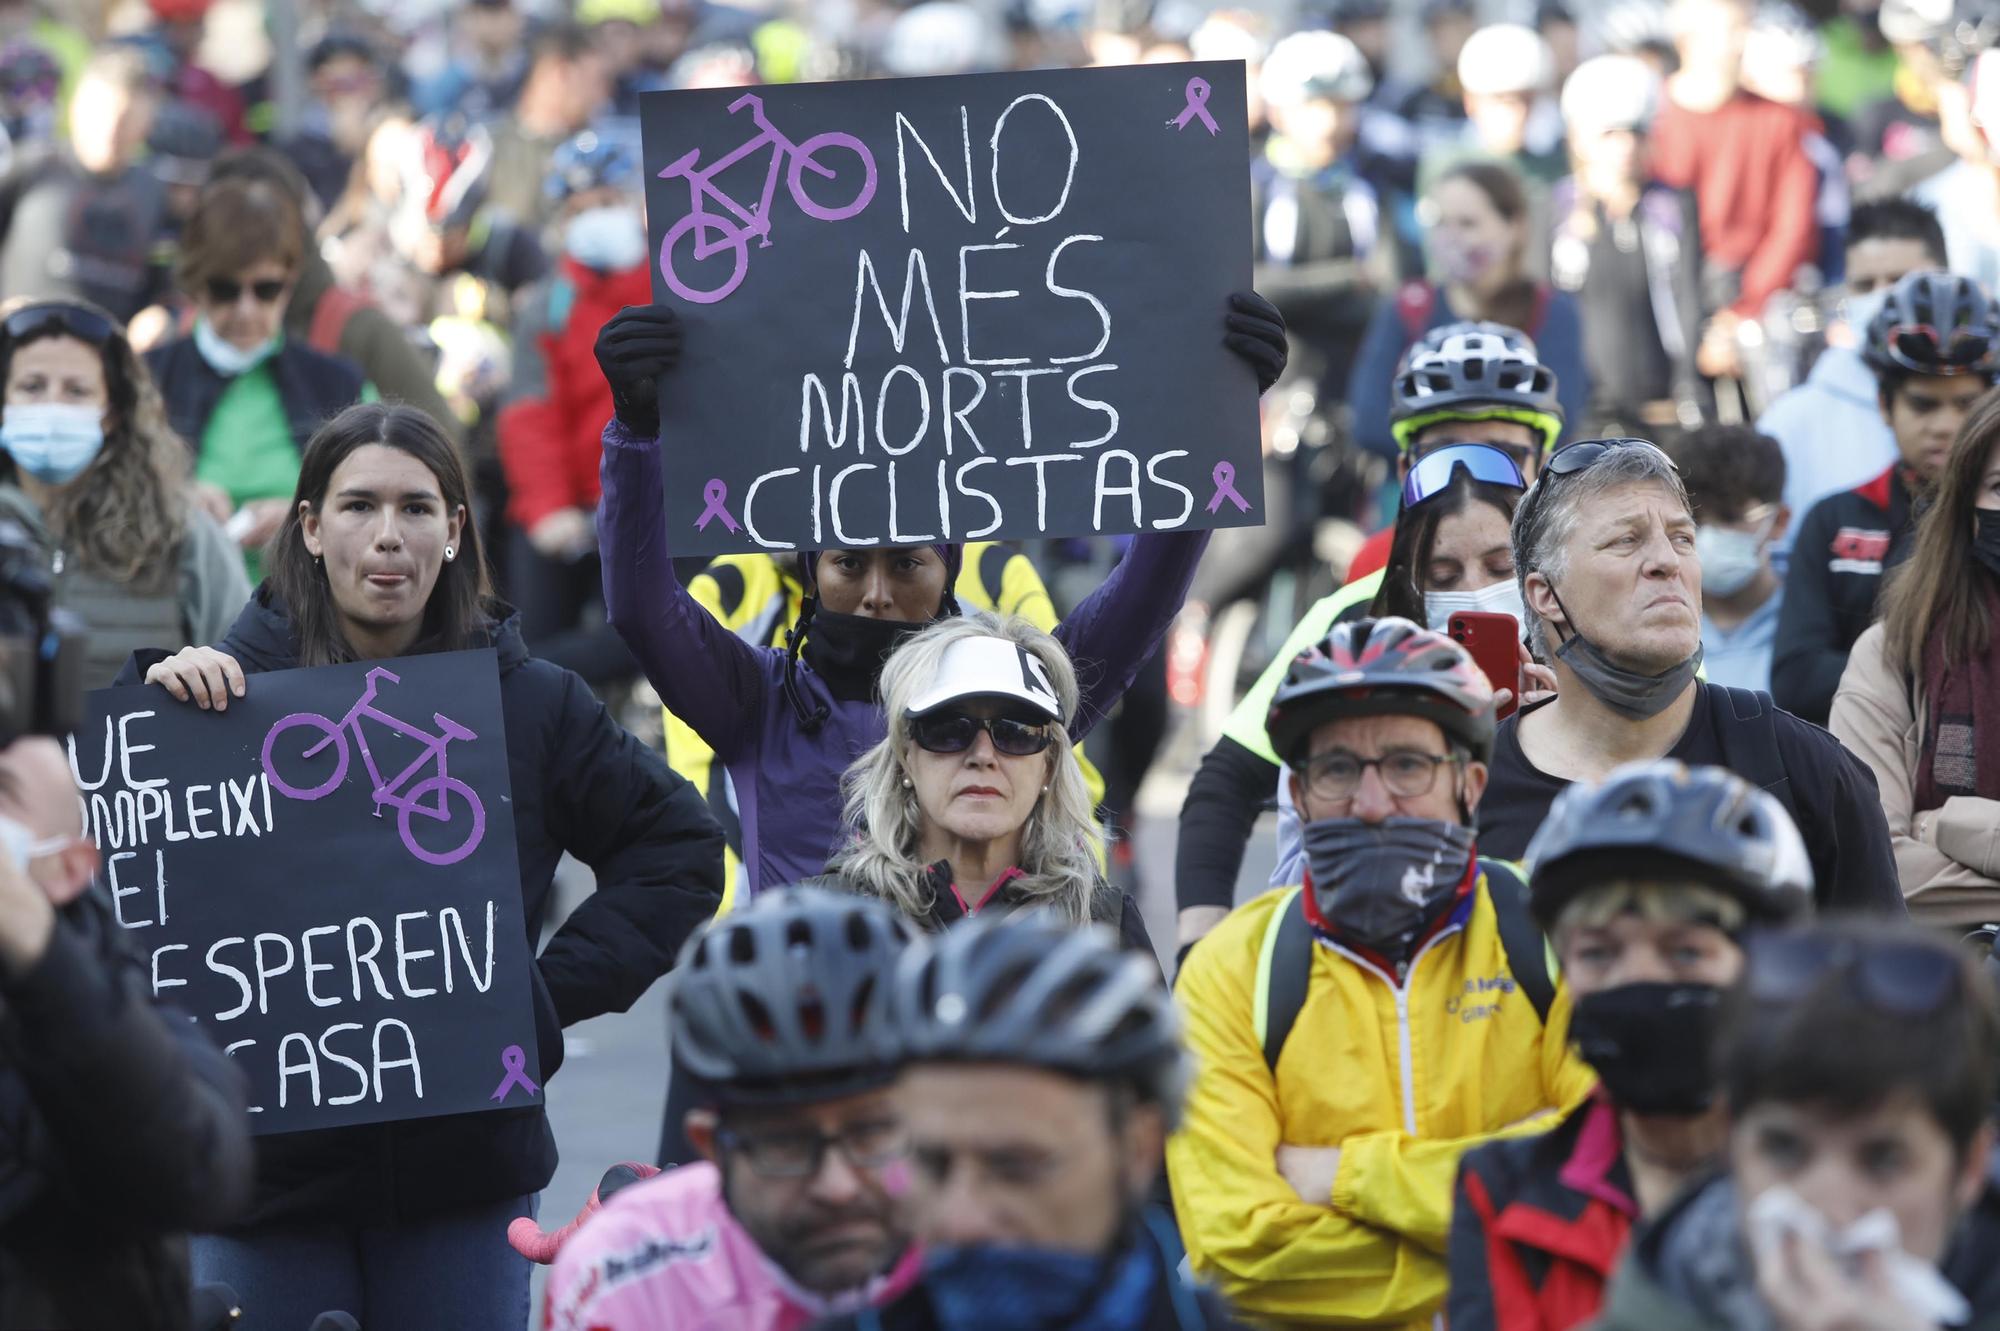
{"x":634,"y":348}
{"x":1256,"y":333}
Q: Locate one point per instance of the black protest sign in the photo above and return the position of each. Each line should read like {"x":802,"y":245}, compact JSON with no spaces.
{"x":954,"y":309}
{"x":325,"y":876}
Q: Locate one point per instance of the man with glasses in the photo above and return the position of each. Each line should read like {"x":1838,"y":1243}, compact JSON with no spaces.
{"x":1358,"y":1033}
{"x":780,"y":1018}
{"x":1605,"y":550}
{"x":1856,"y":1065}
{"x":1932,"y":348}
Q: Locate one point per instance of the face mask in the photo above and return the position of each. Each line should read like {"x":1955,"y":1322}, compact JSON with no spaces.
{"x":1625,"y":692}
{"x":847,"y":651}
{"x":1729,"y":558}
{"x":994,"y":1288}
{"x":1860,"y":311}
{"x":609,"y":239}
{"x":1503,"y":598}
{"x":225,"y":357}
{"x":1381,"y":884}
{"x":1649,"y":1044}
{"x":52,"y":441}
{"x":1985,"y":536}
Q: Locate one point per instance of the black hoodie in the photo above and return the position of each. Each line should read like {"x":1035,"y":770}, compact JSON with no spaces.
{"x":580,"y":784}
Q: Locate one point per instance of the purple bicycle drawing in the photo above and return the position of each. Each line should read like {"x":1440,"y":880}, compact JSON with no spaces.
{"x":715,"y":232}
{"x":435,"y":798}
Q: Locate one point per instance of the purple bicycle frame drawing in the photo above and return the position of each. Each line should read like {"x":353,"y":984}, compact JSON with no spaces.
{"x":715,"y":232}
{"x":430,"y":798}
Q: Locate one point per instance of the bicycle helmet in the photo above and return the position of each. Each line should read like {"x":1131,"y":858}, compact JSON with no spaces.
{"x":1934,"y":324}
{"x":1383,"y":667}
{"x":1915,"y":22}
{"x":786,"y":999}
{"x":1030,"y":990}
{"x":1474,"y":371}
{"x":1504,"y":59}
{"x":447,"y":168}
{"x":1627,"y":27}
{"x":590,"y":161}
{"x":1665,"y":818}
{"x":1610,"y":92}
{"x":1308,"y":65}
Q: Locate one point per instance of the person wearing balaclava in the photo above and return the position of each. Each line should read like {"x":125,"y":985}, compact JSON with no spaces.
{"x":1356,"y":1033}
{"x":1646,"y":884}
{"x":788,"y":722}
{"x":1609,"y":559}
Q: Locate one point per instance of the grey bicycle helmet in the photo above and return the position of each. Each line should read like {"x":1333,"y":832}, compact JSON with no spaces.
{"x":1382,"y":667}
{"x":1474,"y":371}
{"x":786,"y":999}
{"x":1664,"y":817}
{"x":1028,"y":989}
{"x":1934,"y":324}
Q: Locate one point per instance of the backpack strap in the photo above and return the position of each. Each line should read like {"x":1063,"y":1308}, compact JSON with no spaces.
{"x":329,"y":319}
{"x":1750,"y":748}
{"x":1284,"y":965}
{"x":1415,"y":301}
{"x":1521,"y":939}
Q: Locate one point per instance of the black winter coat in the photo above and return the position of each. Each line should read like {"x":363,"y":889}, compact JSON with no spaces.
{"x":121,"y":1128}
{"x":581,"y":784}
{"x":314,"y":387}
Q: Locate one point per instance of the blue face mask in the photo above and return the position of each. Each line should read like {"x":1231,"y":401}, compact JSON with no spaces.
{"x":52,"y":441}
{"x":993,"y":1288}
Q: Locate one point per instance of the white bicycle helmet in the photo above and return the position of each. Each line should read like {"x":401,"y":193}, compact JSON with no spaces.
{"x":1506,"y":58}
{"x":1307,"y":65}
{"x":1611,"y":92}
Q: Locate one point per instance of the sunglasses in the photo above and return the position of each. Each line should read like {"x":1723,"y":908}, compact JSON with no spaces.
{"x":1585,"y":454}
{"x":1919,"y":347}
{"x":227,"y":290}
{"x":1431,"y":474}
{"x":1896,"y":978}
{"x":81,"y":324}
{"x":955,"y":732}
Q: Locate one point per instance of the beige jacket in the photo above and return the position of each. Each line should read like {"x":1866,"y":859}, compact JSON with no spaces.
{"x":1948,"y":858}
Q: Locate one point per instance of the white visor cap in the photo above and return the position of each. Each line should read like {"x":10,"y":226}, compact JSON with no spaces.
{"x":989,"y":667}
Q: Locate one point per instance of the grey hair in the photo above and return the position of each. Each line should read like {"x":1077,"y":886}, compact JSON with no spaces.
{"x":1545,"y":520}
{"x":878,"y":858}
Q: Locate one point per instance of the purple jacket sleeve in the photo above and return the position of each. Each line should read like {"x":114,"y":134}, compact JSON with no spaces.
{"x":1118,"y":626}
{"x":705,"y":674}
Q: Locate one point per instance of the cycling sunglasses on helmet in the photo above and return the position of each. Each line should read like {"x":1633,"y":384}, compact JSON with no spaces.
{"x":1430,"y":475}
{"x":955,"y":732}
{"x":1895,"y":978}
{"x":61,"y":317}
{"x":1921,"y":348}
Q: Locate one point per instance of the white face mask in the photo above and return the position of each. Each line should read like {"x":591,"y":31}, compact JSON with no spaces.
{"x":1501,"y":598}
{"x":17,"y":843}
{"x":609,"y":239}
{"x":225,"y":357}
{"x":1729,"y":558}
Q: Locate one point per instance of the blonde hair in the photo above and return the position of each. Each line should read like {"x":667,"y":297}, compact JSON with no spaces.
{"x":1656,"y":903}
{"x":1057,"y":860}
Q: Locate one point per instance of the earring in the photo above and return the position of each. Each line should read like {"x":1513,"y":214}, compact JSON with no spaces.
{"x":1045,"y":790}
{"x":449,"y":552}
{"x":909,"y":784}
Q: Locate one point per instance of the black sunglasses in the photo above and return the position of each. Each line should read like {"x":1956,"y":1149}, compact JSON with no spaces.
{"x":1897,"y":979}
{"x":227,"y":290}
{"x":1585,"y":454}
{"x":61,"y":317}
{"x":955,"y":732}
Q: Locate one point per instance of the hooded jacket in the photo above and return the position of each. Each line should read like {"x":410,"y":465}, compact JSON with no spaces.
{"x":580,"y":784}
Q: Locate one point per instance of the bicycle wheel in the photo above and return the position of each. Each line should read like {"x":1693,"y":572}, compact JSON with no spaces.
{"x":328,"y":733}
{"x":835,"y":146}
{"x":732,"y":238}
{"x":473,"y":819}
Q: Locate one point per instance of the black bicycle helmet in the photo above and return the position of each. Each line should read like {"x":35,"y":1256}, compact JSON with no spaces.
{"x":1383,"y":667}
{"x":786,"y":999}
{"x":1474,"y":371}
{"x":1665,"y":818}
{"x":1934,"y":324}
{"x":1031,"y":990}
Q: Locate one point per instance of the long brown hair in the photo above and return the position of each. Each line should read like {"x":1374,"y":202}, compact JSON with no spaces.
{"x":1515,"y":303}
{"x":1402,"y":591}
{"x":1941,"y":588}
{"x":124,"y":517}
{"x":455,"y":618}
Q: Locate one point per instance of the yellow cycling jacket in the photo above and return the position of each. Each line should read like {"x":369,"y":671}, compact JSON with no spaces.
{"x":757,"y":597}
{"x":1402,"y":1080}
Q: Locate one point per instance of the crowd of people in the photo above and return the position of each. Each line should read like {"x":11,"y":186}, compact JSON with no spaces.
{"x":1632,"y":458}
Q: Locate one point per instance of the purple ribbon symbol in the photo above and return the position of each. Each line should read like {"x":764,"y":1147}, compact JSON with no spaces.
{"x":1197,"y":106}
{"x":714,"y":493}
{"x":512,"y":1059}
{"x":1224,"y":477}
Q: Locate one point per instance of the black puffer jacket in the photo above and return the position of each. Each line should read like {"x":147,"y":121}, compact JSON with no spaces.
{"x":121,"y":1125}
{"x":580,"y":784}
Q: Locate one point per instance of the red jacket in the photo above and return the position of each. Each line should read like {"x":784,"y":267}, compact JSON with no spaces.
{"x":550,"y":445}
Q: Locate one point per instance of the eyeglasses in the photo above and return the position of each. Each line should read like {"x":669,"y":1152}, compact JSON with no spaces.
{"x":227,"y":290}
{"x":1407,"y":773}
{"x":81,"y":324}
{"x":800,"y":1154}
{"x":1431,"y":474}
{"x":955,"y":732}
{"x":1895,"y":978}
{"x":1919,"y":347}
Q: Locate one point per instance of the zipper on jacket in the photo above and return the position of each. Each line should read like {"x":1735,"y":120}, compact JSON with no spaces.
{"x":1398,"y":988}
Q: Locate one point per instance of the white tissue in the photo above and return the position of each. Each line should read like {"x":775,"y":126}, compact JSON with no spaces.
{"x":1915,"y":1283}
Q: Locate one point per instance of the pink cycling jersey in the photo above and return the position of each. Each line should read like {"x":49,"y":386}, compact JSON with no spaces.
{"x":666,"y":1253}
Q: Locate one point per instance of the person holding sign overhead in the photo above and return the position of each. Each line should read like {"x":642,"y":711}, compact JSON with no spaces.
{"x":377,"y":559}
{"x":788,"y":722}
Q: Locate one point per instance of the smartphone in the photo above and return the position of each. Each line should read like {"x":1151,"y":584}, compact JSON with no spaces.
{"x":1495,"y":643}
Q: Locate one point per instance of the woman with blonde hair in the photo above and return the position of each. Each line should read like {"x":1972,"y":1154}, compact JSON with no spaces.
{"x":974,"y":799}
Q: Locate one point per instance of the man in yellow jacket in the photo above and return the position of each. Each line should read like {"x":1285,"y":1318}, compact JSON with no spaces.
{"x":1357,"y":1034}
